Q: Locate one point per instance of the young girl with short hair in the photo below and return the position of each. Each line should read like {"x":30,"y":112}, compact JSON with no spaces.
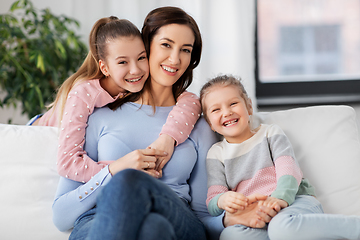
{"x":261,"y":161}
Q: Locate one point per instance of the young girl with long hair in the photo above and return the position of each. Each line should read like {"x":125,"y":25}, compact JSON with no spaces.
{"x":115,"y":68}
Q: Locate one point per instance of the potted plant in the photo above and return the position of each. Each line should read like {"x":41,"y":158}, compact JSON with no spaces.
{"x":38,"y":51}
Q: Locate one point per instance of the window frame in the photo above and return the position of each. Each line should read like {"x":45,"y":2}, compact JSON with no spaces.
{"x":303,"y":93}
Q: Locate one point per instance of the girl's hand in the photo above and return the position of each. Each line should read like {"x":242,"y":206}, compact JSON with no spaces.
{"x":142,"y":159}
{"x":232,"y":201}
{"x":250,"y":216}
{"x":275,"y":203}
{"x":255,"y":215}
{"x":256,"y":198}
{"x":166,"y":144}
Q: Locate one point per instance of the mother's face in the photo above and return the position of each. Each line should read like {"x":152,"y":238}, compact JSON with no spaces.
{"x":170,"y":53}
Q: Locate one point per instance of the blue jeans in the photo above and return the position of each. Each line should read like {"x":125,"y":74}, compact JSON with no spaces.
{"x":134,"y":205}
{"x":303,"y":220}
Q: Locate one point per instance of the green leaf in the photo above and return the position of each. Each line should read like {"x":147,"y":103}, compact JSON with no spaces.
{"x":15,"y":6}
{"x":32,"y":31}
{"x":40,"y":97}
{"x":40,"y":63}
{"x":28,"y":23}
{"x":61,"y":48}
{"x":10,"y":20}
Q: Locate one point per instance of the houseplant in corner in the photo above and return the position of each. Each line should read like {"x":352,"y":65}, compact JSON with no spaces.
{"x":38,"y":51}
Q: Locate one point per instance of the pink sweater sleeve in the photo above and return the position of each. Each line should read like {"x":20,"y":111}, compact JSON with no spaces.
{"x":72,"y":160}
{"x":182,"y":118}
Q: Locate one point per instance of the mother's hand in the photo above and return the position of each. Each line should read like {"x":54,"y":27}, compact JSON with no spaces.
{"x":255,"y":215}
{"x":142,"y":159}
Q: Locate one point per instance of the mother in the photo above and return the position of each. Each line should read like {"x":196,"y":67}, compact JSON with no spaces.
{"x":132,"y":204}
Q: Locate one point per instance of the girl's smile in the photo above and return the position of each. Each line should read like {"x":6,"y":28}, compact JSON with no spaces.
{"x":231,"y":122}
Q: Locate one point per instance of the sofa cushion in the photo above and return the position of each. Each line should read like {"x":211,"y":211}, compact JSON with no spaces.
{"x":28,"y":181}
{"x":326,"y":144}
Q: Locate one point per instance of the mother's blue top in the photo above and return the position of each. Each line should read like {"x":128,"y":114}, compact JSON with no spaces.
{"x":113,"y":134}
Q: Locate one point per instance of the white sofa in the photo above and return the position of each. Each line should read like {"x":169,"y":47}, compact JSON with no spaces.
{"x":325,"y":140}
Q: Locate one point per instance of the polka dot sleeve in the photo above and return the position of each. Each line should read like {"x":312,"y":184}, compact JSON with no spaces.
{"x":72,"y":160}
{"x":182,"y":118}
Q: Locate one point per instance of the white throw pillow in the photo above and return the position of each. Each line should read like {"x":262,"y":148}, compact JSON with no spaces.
{"x":28,"y":182}
{"x":326,"y":144}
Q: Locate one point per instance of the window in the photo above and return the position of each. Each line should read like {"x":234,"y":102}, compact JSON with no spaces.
{"x":307,"y":52}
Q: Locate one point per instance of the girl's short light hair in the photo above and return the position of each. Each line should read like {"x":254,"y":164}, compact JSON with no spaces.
{"x":222,"y":81}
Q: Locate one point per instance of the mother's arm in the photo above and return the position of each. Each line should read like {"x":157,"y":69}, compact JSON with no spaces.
{"x":74,"y":198}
